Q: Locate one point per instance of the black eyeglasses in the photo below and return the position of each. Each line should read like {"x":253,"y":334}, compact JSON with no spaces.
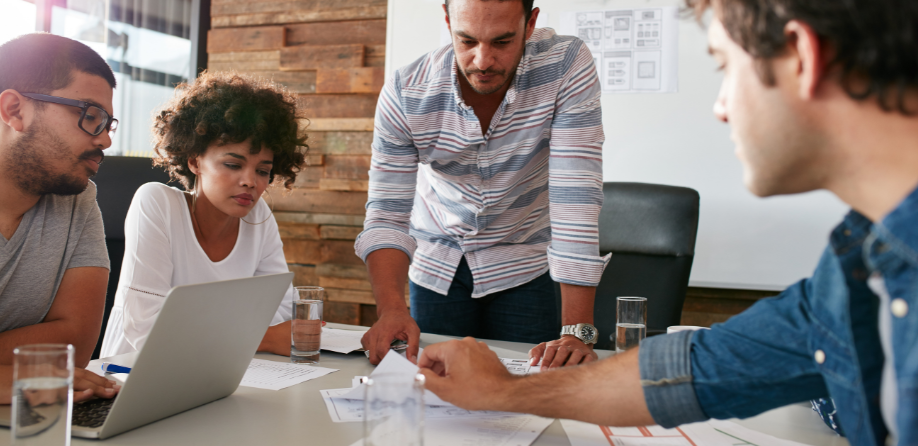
{"x":94,"y":120}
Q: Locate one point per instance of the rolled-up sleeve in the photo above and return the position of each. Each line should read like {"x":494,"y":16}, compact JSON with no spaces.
{"x":575,"y":175}
{"x":393,"y":178}
{"x":666,"y":376}
{"x":756,"y":361}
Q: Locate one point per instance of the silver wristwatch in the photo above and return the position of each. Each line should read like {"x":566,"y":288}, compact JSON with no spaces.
{"x":585,"y":332}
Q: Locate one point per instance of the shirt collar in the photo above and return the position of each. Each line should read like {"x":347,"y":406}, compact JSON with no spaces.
{"x":899,"y":228}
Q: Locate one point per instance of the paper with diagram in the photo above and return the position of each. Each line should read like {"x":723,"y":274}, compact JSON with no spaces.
{"x":342,"y":410}
{"x":509,"y":430}
{"x":708,"y":433}
{"x":634,"y":50}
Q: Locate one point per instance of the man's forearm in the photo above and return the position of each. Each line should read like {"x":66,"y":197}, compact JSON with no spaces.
{"x":577,"y":304}
{"x":51,"y":332}
{"x":606,"y":392}
{"x":388,"y":271}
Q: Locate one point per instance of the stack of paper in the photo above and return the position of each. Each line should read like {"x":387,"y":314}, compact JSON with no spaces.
{"x":708,"y":433}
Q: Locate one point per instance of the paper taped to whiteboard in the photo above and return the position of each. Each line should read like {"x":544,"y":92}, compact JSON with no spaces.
{"x":634,"y":50}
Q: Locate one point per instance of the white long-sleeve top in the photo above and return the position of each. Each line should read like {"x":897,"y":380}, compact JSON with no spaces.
{"x":161,"y":251}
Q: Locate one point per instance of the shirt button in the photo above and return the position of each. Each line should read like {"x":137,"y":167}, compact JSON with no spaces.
{"x":899,"y":307}
{"x":848,"y":232}
{"x":820,"y":356}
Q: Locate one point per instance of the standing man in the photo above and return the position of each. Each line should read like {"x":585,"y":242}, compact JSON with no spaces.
{"x":820,"y":94}
{"x":487,"y":179}
{"x":55,"y":119}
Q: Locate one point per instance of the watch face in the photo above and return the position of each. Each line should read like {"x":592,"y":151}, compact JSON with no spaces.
{"x":587,"y":333}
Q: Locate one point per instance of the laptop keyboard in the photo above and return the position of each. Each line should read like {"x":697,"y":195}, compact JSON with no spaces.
{"x":91,"y":413}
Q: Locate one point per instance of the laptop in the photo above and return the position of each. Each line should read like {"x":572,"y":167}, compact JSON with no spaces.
{"x":198,"y":351}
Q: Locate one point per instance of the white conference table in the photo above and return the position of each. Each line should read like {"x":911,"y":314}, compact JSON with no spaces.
{"x":297,"y":414}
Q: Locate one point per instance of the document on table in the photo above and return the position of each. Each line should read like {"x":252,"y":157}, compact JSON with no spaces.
{"x":344,"y":410}
{"x":509,"y":430}
{"x":520,"y":366}
{"x":708,"y":433}
{"x":272,"y":375}
{"x":398,"y":364}
{"x":341,"y":341}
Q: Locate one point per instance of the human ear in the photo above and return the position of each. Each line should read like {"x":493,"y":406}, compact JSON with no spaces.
{"x":810,"y":52}
{"x":11,"y":113}
{"x":194,"y":165}
{"x":530,"y":25}
{"x":446,"y":12}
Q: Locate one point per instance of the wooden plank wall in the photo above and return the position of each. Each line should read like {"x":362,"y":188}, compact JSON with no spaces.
{"x":331,"y":53}
{"x":706,"y":306}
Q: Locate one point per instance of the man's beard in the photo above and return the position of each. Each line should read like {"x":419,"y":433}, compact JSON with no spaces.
{"x":28,"y":161}
{"x":468,"y":77}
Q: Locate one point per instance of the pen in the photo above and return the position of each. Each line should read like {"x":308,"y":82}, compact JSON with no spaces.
{"x":108,"y":367}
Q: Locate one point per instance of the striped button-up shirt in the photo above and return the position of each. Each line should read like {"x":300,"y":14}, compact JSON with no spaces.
{"x":519,"y":201}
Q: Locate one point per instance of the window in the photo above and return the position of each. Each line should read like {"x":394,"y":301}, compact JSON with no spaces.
{"x":148,"y":44}
{"x":18,"y":18}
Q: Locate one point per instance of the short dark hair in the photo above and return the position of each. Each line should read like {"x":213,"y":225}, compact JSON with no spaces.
{"x":873,"y":40}
{"x":227,"y":108}
{"x":527,"y":7}
{"x":42,"y":63}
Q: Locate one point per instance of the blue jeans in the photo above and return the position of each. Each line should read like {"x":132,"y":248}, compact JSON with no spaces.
{"x":527,"y":313}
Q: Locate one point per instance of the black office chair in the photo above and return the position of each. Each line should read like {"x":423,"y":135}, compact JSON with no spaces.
{"x":650,"y":230}
{"x":117,"y":180}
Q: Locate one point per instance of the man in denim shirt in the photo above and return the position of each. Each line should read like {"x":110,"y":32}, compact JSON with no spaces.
{"x":820,"y":94}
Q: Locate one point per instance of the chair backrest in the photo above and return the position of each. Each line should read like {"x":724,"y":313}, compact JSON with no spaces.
{"x":650,"y":230}
{"x":117,"y":180}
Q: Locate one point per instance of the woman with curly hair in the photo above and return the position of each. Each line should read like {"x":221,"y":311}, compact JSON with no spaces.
{"x":225,"y":137}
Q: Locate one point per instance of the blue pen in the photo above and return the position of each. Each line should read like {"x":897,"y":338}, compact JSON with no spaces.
{"x":108,"y":367}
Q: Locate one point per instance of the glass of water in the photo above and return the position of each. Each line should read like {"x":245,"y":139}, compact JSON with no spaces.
{"x":631,"y":322}
{"x":394,"y":410}
{"x":306,"y":326}
{"x":42,"y":394}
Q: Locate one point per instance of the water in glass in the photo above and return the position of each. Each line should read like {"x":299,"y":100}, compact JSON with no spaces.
{"x":628,"y":336}
{"x":42,"y":411}
{"x":306,"y":331}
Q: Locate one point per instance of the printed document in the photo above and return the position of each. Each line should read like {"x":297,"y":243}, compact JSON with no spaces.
{"x":708,"y":433}
{"x":342,"y":410}
{"x":272,"y":375}
{"x":634,"y":50}
{"x":509,"y":430}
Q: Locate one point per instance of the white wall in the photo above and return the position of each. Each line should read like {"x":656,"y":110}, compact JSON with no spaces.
{"x":743,"y":241}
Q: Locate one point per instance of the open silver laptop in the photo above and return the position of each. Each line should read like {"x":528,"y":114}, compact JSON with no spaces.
{"x":198,"y":350}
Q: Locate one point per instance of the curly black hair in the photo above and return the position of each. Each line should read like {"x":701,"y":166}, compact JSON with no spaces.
{"x":227,"y":108}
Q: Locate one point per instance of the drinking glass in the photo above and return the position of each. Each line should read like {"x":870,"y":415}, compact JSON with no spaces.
{"x":631,"y":322}
{"x":394,"y":410}
{"x":306,"y":326}
{"x":42,"y":394}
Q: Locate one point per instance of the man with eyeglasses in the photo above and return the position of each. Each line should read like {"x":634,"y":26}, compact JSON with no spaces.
{"x":55,"y":121}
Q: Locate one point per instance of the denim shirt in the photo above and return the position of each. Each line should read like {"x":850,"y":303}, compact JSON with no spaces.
{"x":818,"y":338}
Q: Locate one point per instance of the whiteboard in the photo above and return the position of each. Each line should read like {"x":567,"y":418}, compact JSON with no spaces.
{"x":744,"y":242}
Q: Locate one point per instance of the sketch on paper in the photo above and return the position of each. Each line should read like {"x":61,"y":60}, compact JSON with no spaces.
{"x":634,"y":50}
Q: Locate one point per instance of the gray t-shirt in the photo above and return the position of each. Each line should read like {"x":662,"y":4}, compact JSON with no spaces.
{"x":58,"y":233}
